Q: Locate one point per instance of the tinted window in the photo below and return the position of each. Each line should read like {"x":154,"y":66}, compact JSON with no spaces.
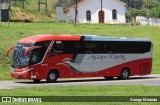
{"x":90,"y":46}
{"x":38,"y":54}
{"x":65,"y":47}
{"x":99,"y":47}
{"x":126,"y":47}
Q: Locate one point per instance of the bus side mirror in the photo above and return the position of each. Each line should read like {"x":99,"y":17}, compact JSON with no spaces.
{"x":7,"y":52}
{"x":29,"y":48}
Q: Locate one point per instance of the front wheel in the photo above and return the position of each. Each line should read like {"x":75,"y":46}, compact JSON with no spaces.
{"x":125,"y":73}
{"x":52,"y":76}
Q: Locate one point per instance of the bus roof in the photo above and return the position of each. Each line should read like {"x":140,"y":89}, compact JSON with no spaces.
{"x":38,"y":38}
{"x":44,"y":37}
{"x":101,"y":38}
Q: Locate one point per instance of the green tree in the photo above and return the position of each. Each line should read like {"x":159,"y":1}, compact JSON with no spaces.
{"x":155,"y":12}
{"x":133,"y":13}
{"x":152,"y":8}
{"x":150,"y":3}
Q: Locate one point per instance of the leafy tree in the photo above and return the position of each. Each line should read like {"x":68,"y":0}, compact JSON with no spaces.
{"x":150,"y":3}
{"x":155,"y":12}
{"x":152,"y":7}
{"x":133,"y":13}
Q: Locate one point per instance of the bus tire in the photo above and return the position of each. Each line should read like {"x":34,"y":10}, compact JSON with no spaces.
{"x":52,"y":77}
{"x":36,"y":80}
{"x":108,"y":78}
{"x":125,"y":73}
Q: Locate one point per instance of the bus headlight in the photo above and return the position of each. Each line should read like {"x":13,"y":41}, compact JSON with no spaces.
{"x":28,"y":70}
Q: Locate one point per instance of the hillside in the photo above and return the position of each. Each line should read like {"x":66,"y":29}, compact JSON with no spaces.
{"x":30,"y":12}
{"x":19,"y":14}
{"x":33,"y":5}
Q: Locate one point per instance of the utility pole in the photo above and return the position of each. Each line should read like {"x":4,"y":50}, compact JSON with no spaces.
{"x":46,"y":6}
{"x":139,"y":5}
{"x":76,"y":12}
{"x":130,"y":4}
{"x":39,"y":6}
{"x":15,"y":2}
{"x":23,"y":4}
{"x":0,"y":17}
{"x":147,"y":12}
{"x":101,"y":13}
{"x":101,"y":5}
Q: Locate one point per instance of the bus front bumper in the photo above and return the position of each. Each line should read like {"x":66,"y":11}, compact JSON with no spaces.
{"x":20,"y":75}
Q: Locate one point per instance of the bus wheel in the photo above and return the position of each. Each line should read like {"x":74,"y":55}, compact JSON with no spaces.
{"x":125,"y":73}
{"x":108,"y":78}
{"x":52,"y":76}
{"x":36,"y":80}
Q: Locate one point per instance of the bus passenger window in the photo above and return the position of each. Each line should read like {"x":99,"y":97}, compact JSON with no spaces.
{"x":90,"y":46}
{"x":77,"y":48}
{"x":58,"y":48}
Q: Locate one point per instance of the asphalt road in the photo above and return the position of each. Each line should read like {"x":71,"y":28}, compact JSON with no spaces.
{"x":152,"y":80}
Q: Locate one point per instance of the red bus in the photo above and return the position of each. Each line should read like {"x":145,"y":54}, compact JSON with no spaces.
{"x":72,"y":56}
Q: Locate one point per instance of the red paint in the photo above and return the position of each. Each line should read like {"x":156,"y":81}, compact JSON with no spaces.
{"x":24,"y":75}
{"x":134,"y":67}
{"x":38,"y":38}
{"x":65,"y":72}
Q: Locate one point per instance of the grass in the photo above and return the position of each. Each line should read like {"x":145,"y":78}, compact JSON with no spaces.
{"x":86,"y":91}
{"x":10,"y":35}
{"x":137,"y":90}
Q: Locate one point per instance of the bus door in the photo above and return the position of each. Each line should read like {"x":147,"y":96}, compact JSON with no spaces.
{"x":37,"y":60}
{"x":60,"y":56}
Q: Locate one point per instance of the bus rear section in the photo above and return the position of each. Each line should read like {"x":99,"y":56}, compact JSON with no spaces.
{"x":88,"y":56}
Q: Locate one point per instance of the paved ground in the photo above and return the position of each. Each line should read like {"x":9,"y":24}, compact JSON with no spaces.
{"x":153,"y":80}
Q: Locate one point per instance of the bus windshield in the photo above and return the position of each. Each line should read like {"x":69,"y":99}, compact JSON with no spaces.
{"x":19,"y":59}
{"x":34,"y":56}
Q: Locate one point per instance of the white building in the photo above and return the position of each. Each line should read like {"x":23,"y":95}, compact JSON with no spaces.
{"x":89,"y":11}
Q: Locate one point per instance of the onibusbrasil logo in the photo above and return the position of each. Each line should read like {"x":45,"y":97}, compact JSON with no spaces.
{"x":21,"y":99}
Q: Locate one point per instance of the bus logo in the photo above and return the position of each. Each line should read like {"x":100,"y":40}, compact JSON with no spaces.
{"x":58,"y":42}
